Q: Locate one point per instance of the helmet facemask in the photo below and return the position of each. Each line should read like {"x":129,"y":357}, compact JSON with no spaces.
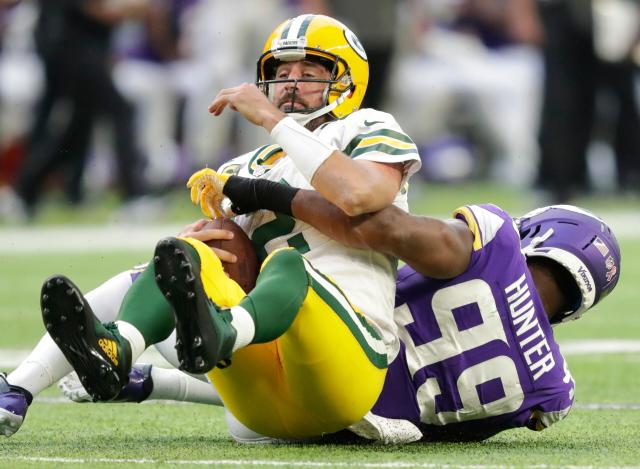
{"x":338,"y":85}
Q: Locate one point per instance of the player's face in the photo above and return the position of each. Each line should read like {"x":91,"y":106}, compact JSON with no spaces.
{"x":300,"y":96}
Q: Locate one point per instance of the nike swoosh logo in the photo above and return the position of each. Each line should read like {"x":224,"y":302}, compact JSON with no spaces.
{"x":370,"y":123}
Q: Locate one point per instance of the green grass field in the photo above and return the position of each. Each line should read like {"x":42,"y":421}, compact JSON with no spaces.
{"x":603,"y":429}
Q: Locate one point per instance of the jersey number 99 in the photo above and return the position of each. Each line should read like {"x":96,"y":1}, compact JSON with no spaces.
{"x":453,"y":343}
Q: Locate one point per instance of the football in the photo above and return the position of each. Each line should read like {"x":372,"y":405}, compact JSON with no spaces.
{"x":245,"y":270}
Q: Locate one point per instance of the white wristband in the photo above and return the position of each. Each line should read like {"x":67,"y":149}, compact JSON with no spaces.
{"x":306,"y":150}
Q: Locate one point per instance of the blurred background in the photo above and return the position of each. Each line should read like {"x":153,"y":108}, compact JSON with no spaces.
{"x":103,"y":103}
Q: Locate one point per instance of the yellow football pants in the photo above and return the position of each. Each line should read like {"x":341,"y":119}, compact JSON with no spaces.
{"x":322,"y":375}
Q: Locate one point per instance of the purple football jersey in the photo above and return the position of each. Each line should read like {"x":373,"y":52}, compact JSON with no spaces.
{"x":478,"y":354}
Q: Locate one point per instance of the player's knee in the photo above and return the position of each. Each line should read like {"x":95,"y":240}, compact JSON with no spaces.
{"x":287,"y":261}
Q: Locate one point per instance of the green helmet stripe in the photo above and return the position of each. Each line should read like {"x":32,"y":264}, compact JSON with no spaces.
{"x":286,"y":29}
{"x":297,"y":27}
{"x":305,"y":25}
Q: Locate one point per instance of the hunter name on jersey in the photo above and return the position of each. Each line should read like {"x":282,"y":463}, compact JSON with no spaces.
{"x":532,"y":339}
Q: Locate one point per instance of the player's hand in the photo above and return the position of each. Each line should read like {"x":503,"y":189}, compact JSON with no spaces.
{"x":249,"y":101}
{"x":206,"y":190}
{"x":192,"y":228}
{"x":199,"y":230}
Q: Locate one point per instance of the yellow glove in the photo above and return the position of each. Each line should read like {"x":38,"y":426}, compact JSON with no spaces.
{"x":206,"y":190}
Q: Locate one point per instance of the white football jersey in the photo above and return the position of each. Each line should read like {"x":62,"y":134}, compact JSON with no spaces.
{"x":367,"y":278}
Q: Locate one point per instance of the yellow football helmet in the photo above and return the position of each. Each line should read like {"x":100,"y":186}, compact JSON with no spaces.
{"x":329,"y":42}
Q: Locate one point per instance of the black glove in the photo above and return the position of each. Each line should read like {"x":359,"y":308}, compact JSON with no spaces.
{"x":249,"y":195}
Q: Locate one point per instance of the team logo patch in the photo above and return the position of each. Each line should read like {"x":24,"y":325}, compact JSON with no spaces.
{"x":612,"y":269}
{"x":600,"y":246}
{"x":232,"y":169}
{"x":355,"y":44}
{"x":110,"y":348}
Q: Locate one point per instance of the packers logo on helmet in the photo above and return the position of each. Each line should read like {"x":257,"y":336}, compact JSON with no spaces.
{"x":329,"y":42}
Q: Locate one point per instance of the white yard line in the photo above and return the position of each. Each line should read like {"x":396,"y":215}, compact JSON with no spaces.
{"x":10,"y":358}
{"x":82,"y":238}
{"x":270,"y":463}
{"x":592,"y":406}
{"x":599,"y":346}
{"x":20,"y":240}
{"x":607,"y":406}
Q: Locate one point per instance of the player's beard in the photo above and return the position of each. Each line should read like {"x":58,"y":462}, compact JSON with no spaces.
{"x":288,"y":102}
{"x":318,"y":121}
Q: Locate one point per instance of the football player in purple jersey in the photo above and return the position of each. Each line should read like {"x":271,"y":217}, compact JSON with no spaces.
{"x":475,"y":304}
{"x":474,"y":308}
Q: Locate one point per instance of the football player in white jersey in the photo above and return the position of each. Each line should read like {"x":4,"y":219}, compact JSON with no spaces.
{"x":306,"y":314}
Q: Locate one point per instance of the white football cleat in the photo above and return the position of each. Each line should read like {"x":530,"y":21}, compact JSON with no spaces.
{"x":72,"y":388}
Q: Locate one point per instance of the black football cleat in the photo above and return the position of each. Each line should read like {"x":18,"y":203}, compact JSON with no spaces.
{"x":98,"y":353}
{"x":204,"y":334}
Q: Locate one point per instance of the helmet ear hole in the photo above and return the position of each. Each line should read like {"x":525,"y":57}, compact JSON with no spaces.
{"x":536,"y":230}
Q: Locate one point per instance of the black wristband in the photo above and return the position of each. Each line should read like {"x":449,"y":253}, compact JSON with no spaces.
{"x":248,"y":195}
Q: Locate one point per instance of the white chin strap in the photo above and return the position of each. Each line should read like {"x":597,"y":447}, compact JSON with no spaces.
{"x":575,"y":266}
{"x":303,"y":119}
{"x":578,"y":271}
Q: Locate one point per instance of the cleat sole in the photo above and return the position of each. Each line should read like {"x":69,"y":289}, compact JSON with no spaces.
{"x":72,"y":329}
{"x":177,"y":276}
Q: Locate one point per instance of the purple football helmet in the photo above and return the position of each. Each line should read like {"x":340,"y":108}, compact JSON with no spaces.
{"x":579,"y":241}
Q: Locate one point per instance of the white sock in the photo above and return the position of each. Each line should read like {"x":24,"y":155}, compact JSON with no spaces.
{"x":133,"y":335}
{"x":105,"y":300}
{"x":167,"y":349}
{"x":244,"y":325}
{"x":44,"y":366}
{"x":175,"y":385}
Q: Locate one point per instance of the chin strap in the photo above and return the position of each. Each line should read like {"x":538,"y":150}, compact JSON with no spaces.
{"x":303,"y":118}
